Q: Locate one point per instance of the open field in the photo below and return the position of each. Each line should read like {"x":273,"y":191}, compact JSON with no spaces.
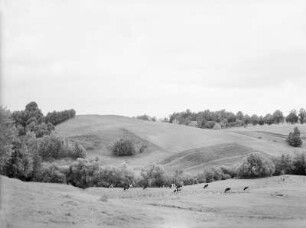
{"x":269,"y":202}
{"x":175,"y":146}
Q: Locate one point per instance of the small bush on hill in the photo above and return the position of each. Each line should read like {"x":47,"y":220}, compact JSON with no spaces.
{"x":294,"y":138}
{"x":123,"y":148}
{"x":76,"y":150}
{"x":255,"y":165}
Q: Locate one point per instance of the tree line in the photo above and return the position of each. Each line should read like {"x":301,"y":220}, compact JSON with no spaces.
{"x":224,"y":119}
{"x":27,"y":142}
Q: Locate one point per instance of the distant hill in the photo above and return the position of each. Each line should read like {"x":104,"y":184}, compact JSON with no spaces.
{"x":175,"y":146}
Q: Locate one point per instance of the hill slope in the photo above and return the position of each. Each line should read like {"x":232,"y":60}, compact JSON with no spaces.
{"x":269,"y":202}
{"x":187,"y":147}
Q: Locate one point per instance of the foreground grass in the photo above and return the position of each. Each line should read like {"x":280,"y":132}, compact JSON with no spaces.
{"x":269,"y":202}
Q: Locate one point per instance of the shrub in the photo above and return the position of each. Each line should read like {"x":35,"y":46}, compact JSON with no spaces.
{"x":123,"y":148}
{"x":118,"y":177}
{"x":255,"y":165}
{"x":154,"y":176}
{"x":52,"y":174}
{"x":294,"y":139}
{"x":83,"y":173}
{"x":210,"y":124}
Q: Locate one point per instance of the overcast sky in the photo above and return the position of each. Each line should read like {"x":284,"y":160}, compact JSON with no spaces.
{"x":154,"y":57}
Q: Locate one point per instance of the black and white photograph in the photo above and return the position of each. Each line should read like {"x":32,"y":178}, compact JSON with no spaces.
{"x":152,"y":113}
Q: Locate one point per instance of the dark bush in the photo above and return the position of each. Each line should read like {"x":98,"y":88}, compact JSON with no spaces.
{"x":123,"y":148}
{"x":299,"y":164}
{"x":255,"y":165}
{"x":83,"y":173}
{"x":294,"y":138}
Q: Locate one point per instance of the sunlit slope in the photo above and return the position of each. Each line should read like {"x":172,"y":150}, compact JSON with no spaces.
{"x":269,"y":202}
{"x":185,"y":146}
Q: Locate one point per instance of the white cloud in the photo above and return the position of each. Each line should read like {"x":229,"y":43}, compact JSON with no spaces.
{"x":155,"y":57}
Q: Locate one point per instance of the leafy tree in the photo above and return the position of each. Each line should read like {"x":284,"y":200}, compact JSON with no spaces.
{"x":20,"y":164}
{"x":292,"y":117}
{"x":247,"y":119}
{"x":240,"y":115}
{"x":299,"y":164}
{"x":255,"y":165}
{"x":7,"y":135}
{"x":283,"y":164}
{"x":302,"y":115}
{"x":278,"y":117}
{"x":268,"y":119}
{"x":50,"y":147}
{"x":294,"y":138}
{"x":261,"y":120}
{"x":254,"y":119}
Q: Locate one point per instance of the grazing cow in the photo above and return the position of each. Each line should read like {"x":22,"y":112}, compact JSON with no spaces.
{"x":178,"y":188}
{"x":205,"y":186}
{"x":283,"y":178}
{"x":245,"y":188}
{"x":126,"y":187}
{"x":172,"y":186}
{"x":227,"y":190}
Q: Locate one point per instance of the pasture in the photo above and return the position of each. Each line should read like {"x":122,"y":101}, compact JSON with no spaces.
{"x":269,"y":202}
{"x":175,"y":146}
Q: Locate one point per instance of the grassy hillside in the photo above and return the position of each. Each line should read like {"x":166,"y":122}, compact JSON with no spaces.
{"x":175,"y":146}
{"x":269,"y":202}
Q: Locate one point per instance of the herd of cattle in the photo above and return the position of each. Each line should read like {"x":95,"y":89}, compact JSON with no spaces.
{"x":177,"y":187}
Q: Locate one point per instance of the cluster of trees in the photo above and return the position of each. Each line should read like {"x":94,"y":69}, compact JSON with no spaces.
{"x":146,"y":117}
{"x":27,"y":144}
{"x":32,"y":120}
{"x":223,"y":119}
{"x":56,"y":118}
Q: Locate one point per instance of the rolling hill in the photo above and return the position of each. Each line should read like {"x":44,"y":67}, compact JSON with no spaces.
{"x":175,"y":146}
